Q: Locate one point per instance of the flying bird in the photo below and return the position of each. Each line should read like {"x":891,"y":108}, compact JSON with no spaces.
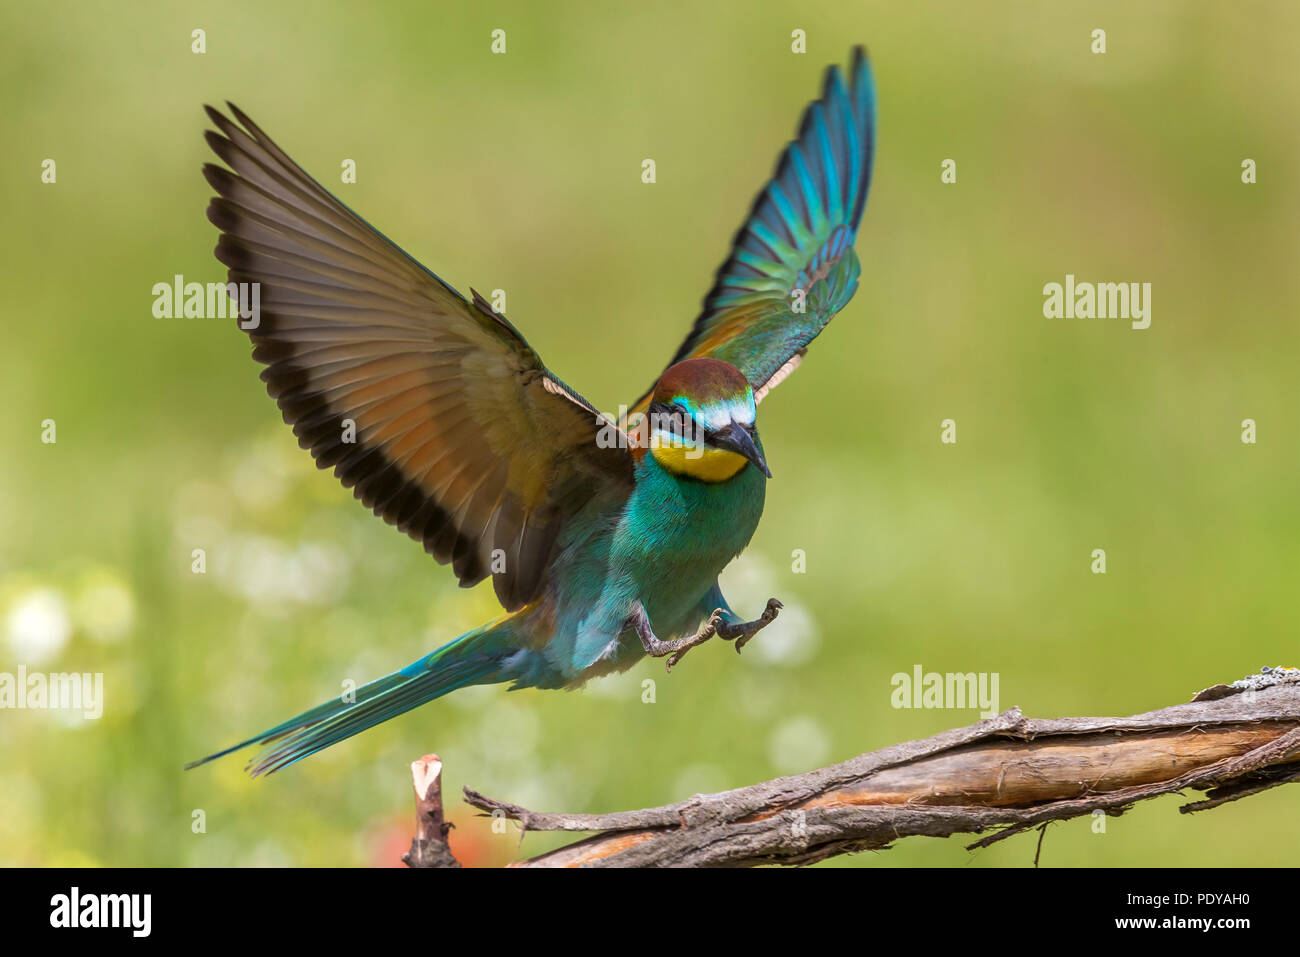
{"x":603,"y":539}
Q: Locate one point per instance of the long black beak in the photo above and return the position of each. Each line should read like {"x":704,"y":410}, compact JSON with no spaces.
{"x":736,"y":438}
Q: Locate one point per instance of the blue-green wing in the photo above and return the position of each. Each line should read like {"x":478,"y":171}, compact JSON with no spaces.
{"x":792,"y":265}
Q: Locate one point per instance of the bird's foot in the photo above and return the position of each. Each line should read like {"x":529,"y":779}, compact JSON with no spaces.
{"x":742,"y":631}
{"x":707,"y":631}
{"x":675,"y":649}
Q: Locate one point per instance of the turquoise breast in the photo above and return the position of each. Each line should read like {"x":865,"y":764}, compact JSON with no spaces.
{"x":677,"y":533}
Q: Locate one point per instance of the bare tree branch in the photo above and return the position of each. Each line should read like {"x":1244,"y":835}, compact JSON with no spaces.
{"x":1007,"y":774}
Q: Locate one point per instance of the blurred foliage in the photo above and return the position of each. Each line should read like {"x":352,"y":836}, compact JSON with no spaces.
{"x":522,"y":172}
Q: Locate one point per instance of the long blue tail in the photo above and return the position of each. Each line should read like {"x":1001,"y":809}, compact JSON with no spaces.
{"x":469,"y":659}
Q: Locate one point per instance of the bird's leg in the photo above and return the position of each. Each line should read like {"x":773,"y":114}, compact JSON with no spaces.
{"x":742,"y":631}
{"x":677,"y":647}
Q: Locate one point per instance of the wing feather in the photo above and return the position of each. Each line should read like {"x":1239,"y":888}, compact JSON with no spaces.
{"x":798,"y":239}
{"x":431,"y":408}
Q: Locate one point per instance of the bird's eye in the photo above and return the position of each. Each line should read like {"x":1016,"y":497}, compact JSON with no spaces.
{"x":680,"y":418}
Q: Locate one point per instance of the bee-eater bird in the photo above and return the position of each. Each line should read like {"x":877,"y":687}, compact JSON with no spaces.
{"x":603,"y":539}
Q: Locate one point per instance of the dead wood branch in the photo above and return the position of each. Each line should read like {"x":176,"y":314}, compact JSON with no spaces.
{"x":429,"y":846}
{"x":1006,"y":775}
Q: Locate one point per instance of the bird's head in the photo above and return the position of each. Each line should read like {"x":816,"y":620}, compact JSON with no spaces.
{"x":700,"y":421}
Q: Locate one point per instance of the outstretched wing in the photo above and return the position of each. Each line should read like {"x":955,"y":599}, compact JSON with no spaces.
{"x":792,"y":265}
{"x":433,"y":409}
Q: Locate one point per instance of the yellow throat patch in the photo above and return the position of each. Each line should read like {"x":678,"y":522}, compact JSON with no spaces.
{"x":707,"y":465}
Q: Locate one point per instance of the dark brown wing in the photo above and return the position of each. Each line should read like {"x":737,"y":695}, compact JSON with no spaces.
{"x":463,"y":439}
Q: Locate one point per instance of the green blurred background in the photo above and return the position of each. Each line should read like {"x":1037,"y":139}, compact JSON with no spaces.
{"x":522,"y":172}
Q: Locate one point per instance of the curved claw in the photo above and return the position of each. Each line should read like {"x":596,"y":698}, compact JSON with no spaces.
{"x":711,"y":627}
{"x":743,"y":632}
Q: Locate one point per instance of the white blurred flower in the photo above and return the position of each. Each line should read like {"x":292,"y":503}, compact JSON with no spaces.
{"x":38,"y":625}
{"x":201,"y":513}
{"x":749,"y":579}
{"x":105,"y":608}
{"x":197,"y":531}
{"x":262,"y":569}
{"x":698,"y":779}
{"x":260,"y":478}
{"x":790,"y":640}
{"x":798,"y":744}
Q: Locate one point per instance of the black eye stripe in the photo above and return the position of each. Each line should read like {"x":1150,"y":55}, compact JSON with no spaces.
{"x":675,"y":418}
